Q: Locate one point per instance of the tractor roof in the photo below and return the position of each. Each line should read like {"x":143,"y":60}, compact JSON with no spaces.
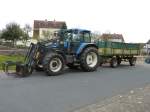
{"x":72,"y":30}
{"x":79,"y":30}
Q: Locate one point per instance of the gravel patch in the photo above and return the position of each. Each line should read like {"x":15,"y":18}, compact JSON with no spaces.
{"x":137,"y":100}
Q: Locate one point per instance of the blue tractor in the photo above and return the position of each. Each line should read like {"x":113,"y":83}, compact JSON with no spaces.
{"x":72,"y":47}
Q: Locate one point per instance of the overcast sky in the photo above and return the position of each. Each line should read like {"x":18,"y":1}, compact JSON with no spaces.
{"x":128,"y":17}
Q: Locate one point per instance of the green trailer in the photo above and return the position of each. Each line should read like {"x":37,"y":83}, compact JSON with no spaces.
{"x":116,"y":52}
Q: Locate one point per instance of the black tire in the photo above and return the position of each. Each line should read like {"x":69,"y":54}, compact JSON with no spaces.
{"x":118,"y":61}
{"x":51,"y":62}
{"x":83,"y":59}
{"x":113,"y":63}
{"x":72,"y":66}
{"x":100,"y":64}
{"x":132,"y":61}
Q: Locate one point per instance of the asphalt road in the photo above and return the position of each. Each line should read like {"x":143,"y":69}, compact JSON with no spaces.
{"x":72,"y":90}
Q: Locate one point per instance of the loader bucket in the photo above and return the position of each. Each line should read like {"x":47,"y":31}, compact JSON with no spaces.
{"x":6,"y":65}
{"x":22,"y":70}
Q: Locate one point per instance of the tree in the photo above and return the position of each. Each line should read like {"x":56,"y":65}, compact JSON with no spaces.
{"x":26,"y":30}
{"x":64,"y":26}
{"x":96,"y":36}
{"x":61,"y":31}
{"x":148,"y":42}
{"x":12,"y":33}
{"x":0,"y":33}
{"x":0,"y":37}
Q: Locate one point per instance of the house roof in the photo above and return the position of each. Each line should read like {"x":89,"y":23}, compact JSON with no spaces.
{"x":112,"y":36}
{"x":48,"y":24}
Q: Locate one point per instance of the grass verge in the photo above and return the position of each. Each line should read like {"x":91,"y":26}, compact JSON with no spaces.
{"x":4,"y":58}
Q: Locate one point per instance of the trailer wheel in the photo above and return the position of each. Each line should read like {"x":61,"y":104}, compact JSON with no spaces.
{"x":72,"y":66}
{"x":118,"y":61}
{"x":53,"y":64}
{"x":89,"y":59}
{"x":113,"y":63}
{"x":132,"y":61}
{"x":100,"y":64}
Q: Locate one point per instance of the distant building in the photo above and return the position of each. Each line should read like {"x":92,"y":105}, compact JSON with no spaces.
{"x":112,"y":37}
{"x":46,"y":29}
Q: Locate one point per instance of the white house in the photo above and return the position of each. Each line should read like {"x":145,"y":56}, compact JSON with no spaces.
{"x":45,"y":29}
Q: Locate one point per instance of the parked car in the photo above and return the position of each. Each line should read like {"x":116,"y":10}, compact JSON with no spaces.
{"x":147,"y":60}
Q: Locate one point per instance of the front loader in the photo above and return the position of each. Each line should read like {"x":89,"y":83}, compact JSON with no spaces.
{"x":23,"y":68}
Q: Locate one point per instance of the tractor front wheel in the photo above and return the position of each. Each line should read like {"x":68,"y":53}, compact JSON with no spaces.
{"x":53,"y":64}
{"x":89,"y":60}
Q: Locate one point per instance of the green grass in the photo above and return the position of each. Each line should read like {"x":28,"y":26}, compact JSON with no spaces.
{"x":4,"y":58}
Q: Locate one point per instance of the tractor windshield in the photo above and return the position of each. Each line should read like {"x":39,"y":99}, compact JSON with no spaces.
{"x":71,"y":35}
{"x":76,"y":35}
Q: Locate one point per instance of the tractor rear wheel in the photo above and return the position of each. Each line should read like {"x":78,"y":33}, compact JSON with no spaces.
{"x":53,"y":64}
{"x":89,"y":60}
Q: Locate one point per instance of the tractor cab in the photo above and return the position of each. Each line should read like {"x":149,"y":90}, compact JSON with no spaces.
{"x":74,"y":38}
{"x":77,"y":35}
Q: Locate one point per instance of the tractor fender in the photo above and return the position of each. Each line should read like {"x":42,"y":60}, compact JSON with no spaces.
{"x":56,"y":51}
{"x":83,"y":46}
{"x":61,"y":53}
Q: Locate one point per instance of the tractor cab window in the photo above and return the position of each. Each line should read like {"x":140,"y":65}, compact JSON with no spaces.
{"x":81,"y":37}
{"x":75,"y":37}
{"x":87,"y":37}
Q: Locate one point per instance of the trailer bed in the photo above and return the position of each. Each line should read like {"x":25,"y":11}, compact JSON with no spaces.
{"x":108,"y":48}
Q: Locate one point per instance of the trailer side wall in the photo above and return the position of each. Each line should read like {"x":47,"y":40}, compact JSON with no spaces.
{"x":108,"y":48}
